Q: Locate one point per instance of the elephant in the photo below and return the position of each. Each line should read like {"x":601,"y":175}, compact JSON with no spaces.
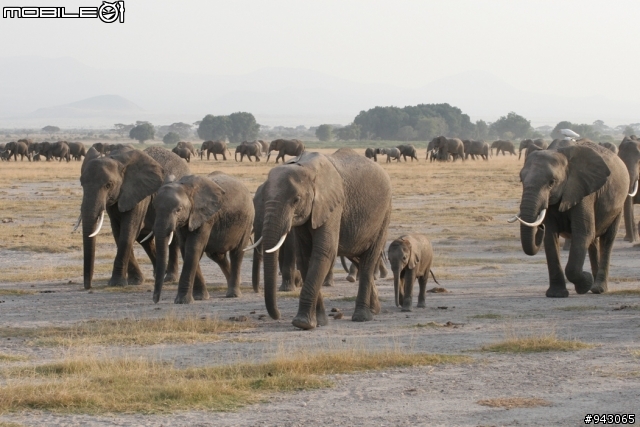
{"x":410,"y":257}
{"x":59,"y":150}
{"x":248,"y":149}
{"x":102,"y":147}
{"x":77,"y":150}
{"x":372,"y":153}
{"x":408,"y":150}
{"x":215,"y":148}
{"x":122,"y":184}
{"x":432,"y":155}
{"x":354,"y":271}
{"x":4,"y":155}
{"x":189,"y":146}
{"x":475,"y":148}
{"x":37,"y":158}
{"x":323,"y":198}
{"x":629,"y":153}
{"x":15,"y":149}
{"x":392,"y":153}
{"x":579,"y":192}
{"x":212,"y":216}
{"x":182,"y":152}
{"x":609,"y":146}
{"x":446,"y":146}
{"x":526,"y":143}
{"x":504,"y":146}
{"x":264,"y":145}
{"x":290,"y":147}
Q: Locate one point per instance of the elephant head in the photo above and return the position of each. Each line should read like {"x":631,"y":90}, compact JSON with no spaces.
{"x":188,"y":202}
{"x":563,"y":178}
{"x":124,"y":178}
{"x":401,"y":256}
{"x":274,"y":145}
{"x":308,"y":190}
{"x":629,"y":153}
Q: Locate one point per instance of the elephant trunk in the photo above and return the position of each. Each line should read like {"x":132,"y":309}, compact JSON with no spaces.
{"x":163,"y":233}
{"x":396,"y":283}
{"x":90,"y":213}
{"x":275,"y":226}
{"x":531,"y":237}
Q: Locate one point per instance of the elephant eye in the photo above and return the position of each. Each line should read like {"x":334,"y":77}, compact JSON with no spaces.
{"x":552,"y":183}
{"x":296,"y":200}
{"x":108,"y":185}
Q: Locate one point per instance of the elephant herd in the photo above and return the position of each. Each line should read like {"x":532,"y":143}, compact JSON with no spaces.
{"x":251,"y":149}
{"x":36,"y":151}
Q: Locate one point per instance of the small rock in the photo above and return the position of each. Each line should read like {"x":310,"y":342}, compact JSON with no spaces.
{"x":335,"y":310}
{"x":304,"y":404}
{"x":262,"y":317}
{"x":443,"y":308}
{"x":338,"y":316}
{"x":438,"y":290}
{"x":7,"y":220}
{"x":252,"y":312}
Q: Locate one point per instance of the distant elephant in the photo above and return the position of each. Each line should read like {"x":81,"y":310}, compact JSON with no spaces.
{"x":475,"y":148}
{"x":354,"y":271}
{"x":215,"y":148}
{"x":410,"y":257}
{"x":188,"y":145}
{"x":77,"y":150}
{"x":290,"y":147}
{"x":322,"y":196}
{"x":392,"y":153}
{"x":629,"y":153}
{"x":432,"y":155}
{"x":525,"y":143}
{"x":16,"y":149}
{"x":36,"y":158}
{"x":609,"y":146}
{"x":182,"y":152}
{"x":264,"y":145}
{"x":372,"y":153}
{"x":102,"y":147}
{"x":212,"y":216}
{"x":408,"y":150}
{"x":51,"y":150}
{"x":122,"y":184}
{"x":504,"y":147}
{"x":579,"y":192}
{"x":448,"y":146}
{"x":248,"y":149}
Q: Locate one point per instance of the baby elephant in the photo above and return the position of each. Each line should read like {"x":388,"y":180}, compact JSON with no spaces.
{"x":410,"y":257}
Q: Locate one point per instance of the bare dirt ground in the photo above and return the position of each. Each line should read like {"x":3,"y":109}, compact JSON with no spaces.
{"x":494,"y":291}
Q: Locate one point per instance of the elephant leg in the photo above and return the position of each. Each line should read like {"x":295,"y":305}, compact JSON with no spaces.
{"x":409,"y":278}
{"x":606,"y":245}
{"x":233,"y":285}
{"x":200,"y":291}
{"x":422,"y":281}
{"x":150,"y":249}
{"x":567,"y":244}
{"x":382,"y":268}
{"x":582,"y":280}
{"x":353,"y":273}
{"x":173,"y":268}
{"x":367,"y":302}
{"x":594,"y":256}
{"x":192,"y":250}
{"x":287,"y":260}
{"x":557,"y":283}
{"x":631,"y":229}
{"x":321,"y":313}
{"x":134,"y":273}
{"x":328,"y":280}
{"x":125,"y":233}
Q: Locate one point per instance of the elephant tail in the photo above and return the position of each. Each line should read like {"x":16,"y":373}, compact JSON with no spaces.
{"x":434,"y":277}
{"x":344,"y":263}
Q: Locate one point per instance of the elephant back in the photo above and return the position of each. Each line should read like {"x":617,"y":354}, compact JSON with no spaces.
{"x":171,"y":163}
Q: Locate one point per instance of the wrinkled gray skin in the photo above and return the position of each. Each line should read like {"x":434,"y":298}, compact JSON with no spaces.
{"x":392,"y":153}
{"x":102,"y":147}
{"x":215,"y":148}
{"x":248,"y":149}
{"x":475,"y":148}
{"x":51,"y":150}
{"x":583,"y":187}
{"x":77,"y":150}
{"x":629,"y":153}
{"x":189,"y":146}
{"x":289,"y":147}
{"x":182,"y":152}
{"x":372,"y":153}
{"x":333,"y":214}
{"x":609,"y":146}
{"x":354,"y":271}
{"x":408,"y":150}
{"x":212,"y":216}
{"x":17,"y":148}
{"x":504,"y":147}
{"x":122,"y":183}
{"x":448,"y":146}
{"x":410,"y":257}
{"x":526,"y":143}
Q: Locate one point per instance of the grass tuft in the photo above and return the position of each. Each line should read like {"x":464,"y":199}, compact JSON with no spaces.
{"x":487,"y":316}
{"x":514,"y":402}
{"x":15,"y":292}
{"x":4,"y":357}
{"x":578,"y":308}
{"x":535,"y":344}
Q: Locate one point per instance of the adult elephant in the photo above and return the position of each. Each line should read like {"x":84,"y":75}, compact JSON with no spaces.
{"x":77,"y":150}
{"x":289,"y":147}
{"x":248,"y":149}
{"x":182,"y":152}
{"x":122,"y":184}
{"x":17,"y":148}
{"x":323,"y":198}
{"x":448,"y":146}
{"x":354,"y":271}
{"x":372,"y":153}
{"x":526,"y":143}
{"x":609,"y":146}
{"x":408,"y":150}
{"x":392,"y":154}
{"x":504,"y":147}
{"x":102,"y":147}
{"x":58,"y":150}
{"x":189,"y":146}
{"x":629,"y":153}
{"x":578,"y":192}
{"x":213,"y":216}
{"x":475,"y":148}
{"x":215,"y":148}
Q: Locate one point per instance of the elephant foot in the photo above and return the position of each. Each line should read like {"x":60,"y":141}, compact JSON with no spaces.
{"x":183,"y":299}
{"x":304,"y":322}
{"x":585,"y":285}
{"x":170,"y":278}
{"x":374,"y":301}
{"x":135,"y":280}
{"x":201,"y":295}
{"x":557,"y":293}
{"x":600,"y":288}
{"x":328,"y":282}
{"x":406,"y":309}
{"x":422,"y":304}
{"x":321,"y":318}
{"x":117,"y":281}
{"x":287,"y":286}
{"x":351,"y":278}
{"x":233,"y":292}
{"x":156,"y":297}
{"x":362,"y":314}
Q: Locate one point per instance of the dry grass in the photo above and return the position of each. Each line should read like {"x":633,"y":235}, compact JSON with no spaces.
{"x":537,"y":343}
{"x":578,"y":308}
{"x":15,"y":292}
{"x":487,"y":316}
{"x":85,"y":384}
{"x":514,"y":402}
{"x":4,"y":357}
{"x":169,"y":329}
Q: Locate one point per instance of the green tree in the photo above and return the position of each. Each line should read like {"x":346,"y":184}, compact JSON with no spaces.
{"x":122,"y":129}
{"x":171,"y":138}
{"x":243,"y":127}
{"x":214,"y":127}
{"x":428,"y":128}
{"x":324,"y":132}
{"x":406,"y":133}
{"x":482,"y":130}
{"x":51,"y":130}
{"x":350,"y":132}
{"x":182,"y":129}
{"x":514,"y":123}
{"x":142,"y":132}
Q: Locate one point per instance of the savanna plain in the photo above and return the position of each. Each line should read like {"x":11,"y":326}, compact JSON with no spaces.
{"x":489,"y":349}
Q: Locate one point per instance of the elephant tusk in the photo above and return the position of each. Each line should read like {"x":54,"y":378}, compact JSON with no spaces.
{"x":543,"y":212}
{"x":514,"y":219}
{"x":170,"y":238}
{"x":147,"y":238}
{"x":277,"y":246}
{"x":255,"y":245}
{"x":635,"y":189}
{"x":77,"y":223}
{"x":99,"y":225}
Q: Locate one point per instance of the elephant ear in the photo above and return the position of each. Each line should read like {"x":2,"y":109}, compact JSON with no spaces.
{"x":142,"y":176}
{"x":206,"y":196}
{"x":587,"y":173}
{"x":328,"y":189}
{"x":414,"y":258}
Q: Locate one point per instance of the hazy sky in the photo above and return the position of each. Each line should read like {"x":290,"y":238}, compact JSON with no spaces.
{"x":572,"y":47}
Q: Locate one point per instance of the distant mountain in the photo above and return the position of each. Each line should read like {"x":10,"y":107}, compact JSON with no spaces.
{"x":105,"y":106}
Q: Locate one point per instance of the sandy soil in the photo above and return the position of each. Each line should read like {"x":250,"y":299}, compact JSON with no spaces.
{"x":484,"y":276}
